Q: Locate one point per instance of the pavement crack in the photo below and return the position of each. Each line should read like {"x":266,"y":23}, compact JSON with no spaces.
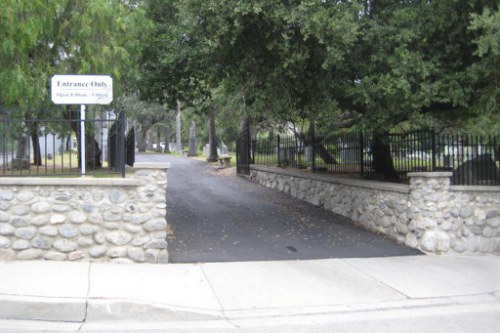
{"x":222,"y":311}
{"x":84,"y":321}
{"x":377,"y":279}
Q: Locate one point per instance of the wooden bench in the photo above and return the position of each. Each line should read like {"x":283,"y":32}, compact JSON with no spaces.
{"x":225,"y":161}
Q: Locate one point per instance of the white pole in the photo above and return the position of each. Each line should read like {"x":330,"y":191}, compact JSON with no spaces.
{"x":82,"y":139}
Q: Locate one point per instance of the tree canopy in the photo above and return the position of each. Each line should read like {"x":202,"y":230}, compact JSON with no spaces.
{"x":45,"y":37}
{"x":367,"y":63}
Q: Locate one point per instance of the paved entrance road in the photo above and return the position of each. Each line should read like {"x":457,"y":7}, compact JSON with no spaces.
{"x":216,"y":216}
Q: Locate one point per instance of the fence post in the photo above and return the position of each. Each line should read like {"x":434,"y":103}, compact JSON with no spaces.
{"x":120,"y":143}
{"x":361,"y":159}
{"x":279,"y":152}
{"x":433,"y":149}
{"x":313,"y":144}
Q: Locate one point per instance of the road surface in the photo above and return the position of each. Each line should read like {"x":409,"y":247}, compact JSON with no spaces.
{"x":216,"y":216}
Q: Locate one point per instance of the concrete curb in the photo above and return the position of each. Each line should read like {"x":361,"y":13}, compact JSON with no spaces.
{"x":387,"y":317}
{"x":396,"y":294}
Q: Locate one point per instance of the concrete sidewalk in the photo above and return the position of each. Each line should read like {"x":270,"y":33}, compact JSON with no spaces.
{"x":395,"y":294}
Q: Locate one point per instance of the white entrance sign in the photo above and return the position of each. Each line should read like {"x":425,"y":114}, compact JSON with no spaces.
{"x":81,"y":89}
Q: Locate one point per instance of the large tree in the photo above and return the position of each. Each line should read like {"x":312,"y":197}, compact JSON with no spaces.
{"x":41,"y":38}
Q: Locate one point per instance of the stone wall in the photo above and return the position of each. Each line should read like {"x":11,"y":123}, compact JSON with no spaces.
{"x":90,"y":219}
{"x":428,"y":214}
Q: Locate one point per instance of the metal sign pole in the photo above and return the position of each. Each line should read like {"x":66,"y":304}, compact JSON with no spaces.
{"x":82,"y":139}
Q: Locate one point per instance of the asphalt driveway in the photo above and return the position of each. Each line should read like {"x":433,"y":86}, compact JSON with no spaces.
{"x":216,"y":216}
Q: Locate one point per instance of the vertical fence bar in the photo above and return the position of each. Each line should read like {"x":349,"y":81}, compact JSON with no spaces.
{"x":433,"y":149}
{"x":313,"y":141}
{"x":278,"y":140}
{"x":361,"y":154}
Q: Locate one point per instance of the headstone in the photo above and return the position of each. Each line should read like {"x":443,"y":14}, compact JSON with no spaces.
{"x":481,"y":170}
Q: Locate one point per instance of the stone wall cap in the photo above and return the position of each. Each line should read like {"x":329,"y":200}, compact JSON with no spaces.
{"x":152,"y":165}
{"x":369,"y":184}
{"x":438,"y":174}
{"x":474,"y":188}
{"x":83,"y":181}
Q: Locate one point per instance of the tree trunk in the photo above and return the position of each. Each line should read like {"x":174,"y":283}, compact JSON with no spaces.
{"x":382,"y":158}
{"x":142,"y":145}
{"x":158,"y":141}
{"x":212,"y":140}
{"x":35,"y":142}
{"x":319,"y":148}
{"x":178,"y":142}
{"x":192,"y":139}
{"x":150,"y":133}
{"x":167,"y":140}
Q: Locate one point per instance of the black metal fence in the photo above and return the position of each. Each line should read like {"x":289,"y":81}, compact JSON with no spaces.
{"x":474,"y":160}
{"x":47,"y":142}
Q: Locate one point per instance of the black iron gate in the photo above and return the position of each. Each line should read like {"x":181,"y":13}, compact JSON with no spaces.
{"x":243,"y":153}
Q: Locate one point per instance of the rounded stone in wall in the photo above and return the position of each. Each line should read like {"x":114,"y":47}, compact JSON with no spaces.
{"x":6,"y":229}
{"x":136,"y":254}
{"x":488,"y":232}
{"x":57,"y":219}
{"x":118,"y":237}
{"x":62,"y":197}
{"x":25,"y":233}
{"x":151,"y":255}
{"x":117,"y":196}
{"x":20,"y":210}
{"x":76,"y":255}
{"x":99,"y":238}
{"x":53,"y":255}
{"x":18,"y":221}
{"x":411,"y":240}
{"x":60,"y":208}
{"x":41,"y":243}
{"x":4,"y":217}
{"x":6,"y":195}
{"x":68,"y":230}
{"x":156,"y":244}
{"x":117,"y":252}
{"x":132,"y":228}
{"x":95,"y":218}
{"x":48,"y":230}
{"x":466,"y":212}
{"x":155,"y":225}
{"x":111,"y":225}
{"x":7,"y":254}
{"x":65,"y":245}
{"x":88,"y":229}
{"x":4,"y":242}
{"x":89,"y":207}
{"x":21,"y":244}
{"x":29,"y":254}
{"x":85,"y":242}
{"x":40,"y":220}
{"x":97,"y":195}
{"x":141,"y":219}
{"x":98,"y":251}
{"x":25,"y":196}
{"x":459,"y":245}
{"x":77,"y":217}
{"x":139,"y":241}
{"x":112,"y":217}
{"x":435,"y":241}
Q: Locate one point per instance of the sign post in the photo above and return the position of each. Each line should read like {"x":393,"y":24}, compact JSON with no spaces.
{"x":81,"y":90}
